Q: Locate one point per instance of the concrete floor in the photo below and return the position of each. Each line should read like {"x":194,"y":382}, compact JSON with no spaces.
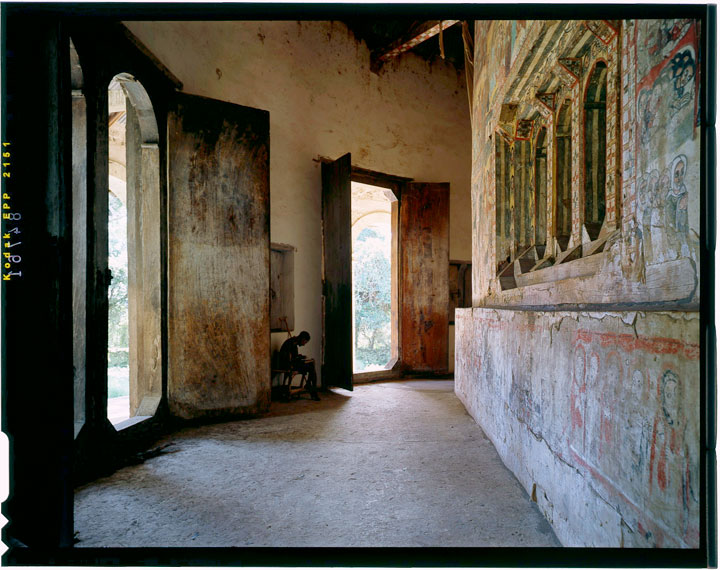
{"x":390,"y":464}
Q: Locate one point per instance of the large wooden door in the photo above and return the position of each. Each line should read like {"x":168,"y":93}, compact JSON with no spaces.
{"x":424,"y":235}
{"x":218,"y":258}
{"x":337,"y":366}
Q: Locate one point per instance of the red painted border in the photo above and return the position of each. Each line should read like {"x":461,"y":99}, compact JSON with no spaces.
{"x":623,"y":341}
{"x":630,"y":343}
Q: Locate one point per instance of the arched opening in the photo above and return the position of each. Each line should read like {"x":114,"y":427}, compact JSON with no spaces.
{"x":134,"y":363}
{"x":595,"y":127}
{"x":563,"y":175}
{"x":79,"y":234}
{"x":118,"y":314}
{"x":540,"y":187}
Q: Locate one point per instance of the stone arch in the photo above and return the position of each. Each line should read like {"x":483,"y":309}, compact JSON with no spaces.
{"x":142,"y":106}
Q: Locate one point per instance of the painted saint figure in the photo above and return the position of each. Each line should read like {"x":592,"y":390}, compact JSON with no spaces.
{"x":683,"y":72}
{"x":676,"y":208}
{"x":672,"y":480}
{"x":676,"y":215}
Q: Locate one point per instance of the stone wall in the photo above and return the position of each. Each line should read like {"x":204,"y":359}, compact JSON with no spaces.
{"x":596,"y":413}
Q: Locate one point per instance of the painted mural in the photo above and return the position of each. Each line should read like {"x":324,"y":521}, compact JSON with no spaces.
{"x":657,"y":147}
{"x":657,"y":40}
{"x":497,"y":45}
{"x":599,"y":410}
{"x":503,"y":39}
{"x":666,"y":223}
{"x":648,"y":462}
{"x":662,"y":214}
{"x":597,"y":414}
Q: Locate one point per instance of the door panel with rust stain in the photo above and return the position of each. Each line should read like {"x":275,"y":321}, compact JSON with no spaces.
{"x":218,"y":258}
{"x":424,"y":218}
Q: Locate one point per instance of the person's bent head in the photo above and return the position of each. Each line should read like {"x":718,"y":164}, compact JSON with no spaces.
{"x":303,"y":338}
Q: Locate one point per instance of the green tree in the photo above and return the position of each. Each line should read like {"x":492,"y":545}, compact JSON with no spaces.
{"x":372,"y":295}
{"x":118,"y":288}
{"x":117,"y":309}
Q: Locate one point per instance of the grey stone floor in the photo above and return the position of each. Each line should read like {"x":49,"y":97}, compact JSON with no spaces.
{"x":389,"y":464}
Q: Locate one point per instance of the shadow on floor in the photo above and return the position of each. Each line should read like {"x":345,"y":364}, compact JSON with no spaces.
{"x":333,"y":398}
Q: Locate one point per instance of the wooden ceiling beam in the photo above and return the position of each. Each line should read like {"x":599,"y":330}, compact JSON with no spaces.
{"x":416,"y":35}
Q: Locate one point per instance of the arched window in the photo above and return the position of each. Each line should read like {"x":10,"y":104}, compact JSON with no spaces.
{"x":541,"y":189}
{"x":134,"y":333}
{"x":594,"y":166}
{"x":563,"y":175}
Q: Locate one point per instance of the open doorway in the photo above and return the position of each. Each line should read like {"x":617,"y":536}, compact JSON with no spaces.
{"x":374,"y":277}
{"x":118,"y":313}
{"x":419,"y":284}
{"x":134,"y":369}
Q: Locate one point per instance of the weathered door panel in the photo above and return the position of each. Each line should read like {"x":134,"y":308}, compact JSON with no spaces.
{"x":424,"y":217}
{"x":337,"y":274}
{"x":218,"y":258}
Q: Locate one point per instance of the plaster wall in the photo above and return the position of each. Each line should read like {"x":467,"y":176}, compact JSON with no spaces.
{"x":596,"y":414}
{"x":314,"y":78}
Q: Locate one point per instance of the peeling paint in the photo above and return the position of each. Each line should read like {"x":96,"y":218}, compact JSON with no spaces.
{"x":600,"y":407}
{"x":621,"y":414}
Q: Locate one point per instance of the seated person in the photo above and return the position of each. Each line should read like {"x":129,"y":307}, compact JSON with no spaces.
{"x":291,"y":360}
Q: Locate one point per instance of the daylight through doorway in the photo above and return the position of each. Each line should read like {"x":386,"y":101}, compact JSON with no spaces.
{"x":118,"y":311}
{"x":372,"y":277}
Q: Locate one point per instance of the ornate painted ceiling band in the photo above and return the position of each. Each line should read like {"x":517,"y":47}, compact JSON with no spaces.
{"x":502,"y":131}
{"x":547,"y":100}
{"x":604,"y":30}
{"x":572,"y":66}
{"x":523,"y":130}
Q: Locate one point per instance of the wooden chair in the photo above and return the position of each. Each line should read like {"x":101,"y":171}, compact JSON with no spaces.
{"x":285,"y":390}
